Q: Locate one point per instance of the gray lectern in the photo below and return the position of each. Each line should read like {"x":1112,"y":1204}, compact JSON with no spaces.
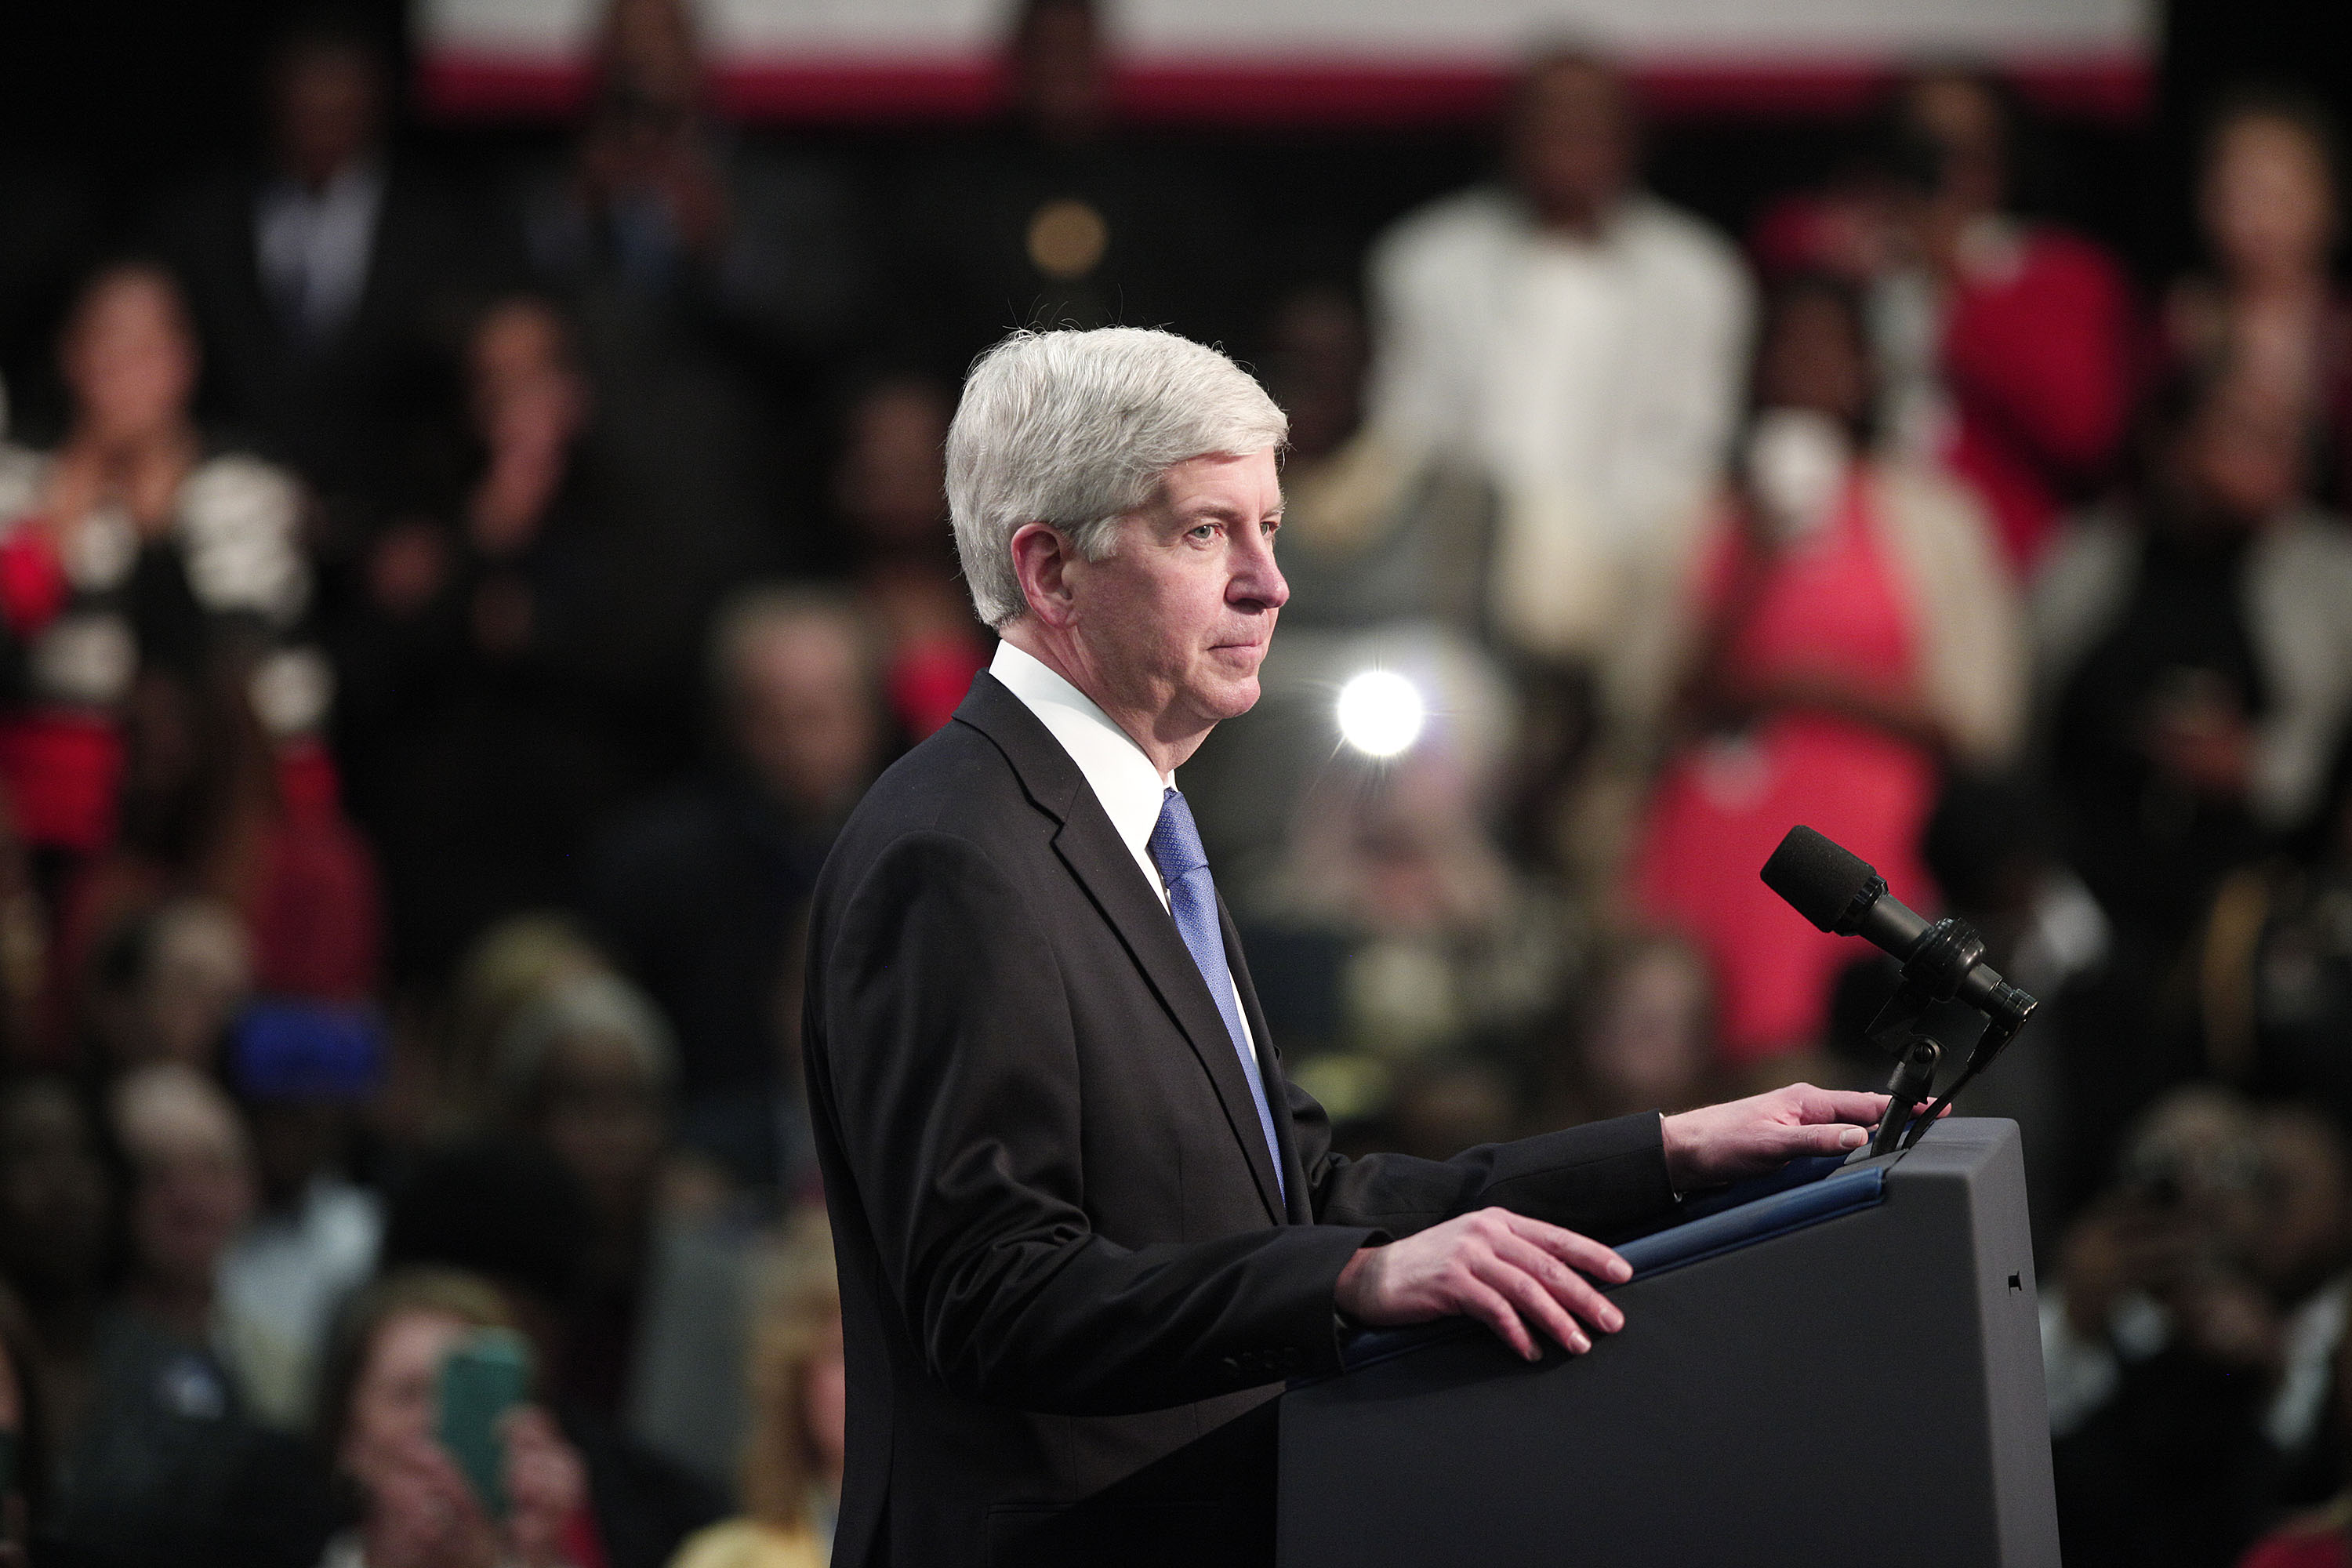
{"x":1844,"y":1372}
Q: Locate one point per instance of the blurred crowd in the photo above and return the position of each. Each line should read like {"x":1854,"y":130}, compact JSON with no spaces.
{"x":442,"y":623}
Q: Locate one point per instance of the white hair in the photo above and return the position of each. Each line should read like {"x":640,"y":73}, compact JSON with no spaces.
{"x":1074,"y":429}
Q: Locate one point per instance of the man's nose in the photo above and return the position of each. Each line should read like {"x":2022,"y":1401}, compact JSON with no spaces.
{"x":1257,"y":579}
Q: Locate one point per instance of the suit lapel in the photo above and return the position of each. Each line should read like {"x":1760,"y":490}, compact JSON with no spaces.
{"x":1269,"y":1067}
{"x":1099,"y":858}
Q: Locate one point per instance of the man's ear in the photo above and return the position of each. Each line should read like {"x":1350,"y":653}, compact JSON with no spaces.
{"x":1041,"y":561}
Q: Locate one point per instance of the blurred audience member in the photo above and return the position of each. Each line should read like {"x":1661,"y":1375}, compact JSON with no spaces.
{"x":325,"y":280}
{"x":662,"y":205}
{"x":1368,"y":534}
{"x":2005,"y":343}
{"x":1842,"y":721}
{"x":1578,"y":343}
{"x":165,"y":984}
{"x":500,"y":698}
{"x":1646,"y":1037}
{"x":587,"y":1071}
{"x":300,"y":1071}
{"x":510,"y":968}
{"x":700,"y":893}
{"x":792,"y":1467}
{"x":890,"y":488}
{"x":2196,"y":647}
{"x":713,"y":281}
{"x":1060,"y":217}
{"x":224,"y":873}
{"x":2267,"y":204}
{"x":57,"y":1245}
{"x":168,"y":1465}
{"x":2193,"y":1332}
{"x":130,"y":548}
{"x":1406,"y":944}
{"x":23,"y":1436}
{"x":511,"y":1210}
{"x":2273,"y":964}
{"x":378,"y":1422}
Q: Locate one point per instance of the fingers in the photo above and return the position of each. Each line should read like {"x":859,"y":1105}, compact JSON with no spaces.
{"x":1582,"y":1251}
{"x":1563,"y":1286}
{"x":1490,"y":1307}
{"x":1842,"y":1105}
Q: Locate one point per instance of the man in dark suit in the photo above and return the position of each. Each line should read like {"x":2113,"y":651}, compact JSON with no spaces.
{"x":1084,"y":1225}
{"x":329,"y":284}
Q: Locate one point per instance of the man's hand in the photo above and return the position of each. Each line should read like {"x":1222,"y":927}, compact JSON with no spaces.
{"x":1492,"y":1266}
{"x":1750,"y":1137}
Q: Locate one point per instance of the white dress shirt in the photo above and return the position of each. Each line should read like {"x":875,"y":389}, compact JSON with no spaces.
{"x":1123,"y":779}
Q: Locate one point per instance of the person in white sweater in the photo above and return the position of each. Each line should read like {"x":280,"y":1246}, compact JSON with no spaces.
{"x":1580,"y":341}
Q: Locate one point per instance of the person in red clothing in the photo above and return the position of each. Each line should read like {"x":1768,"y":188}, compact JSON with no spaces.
{"x":890,"y":488}
{"x":133,"y":549}
{"x":2004,"y":345}
{"x":1854,"y":630}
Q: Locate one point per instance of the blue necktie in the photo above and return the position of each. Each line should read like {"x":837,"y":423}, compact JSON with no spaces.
{"x":1192,"y":900}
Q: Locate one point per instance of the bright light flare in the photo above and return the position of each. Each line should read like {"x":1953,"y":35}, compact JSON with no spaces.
{"x":1380,"y":712}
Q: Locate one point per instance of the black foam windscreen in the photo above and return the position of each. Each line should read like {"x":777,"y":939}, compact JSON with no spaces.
{"x":1816,"y":876}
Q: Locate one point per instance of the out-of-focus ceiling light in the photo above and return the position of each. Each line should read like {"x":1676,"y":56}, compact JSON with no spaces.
{"x":1380,"y":712}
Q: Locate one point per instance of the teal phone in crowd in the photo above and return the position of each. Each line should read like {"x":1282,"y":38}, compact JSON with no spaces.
{"x":481,"y":1380}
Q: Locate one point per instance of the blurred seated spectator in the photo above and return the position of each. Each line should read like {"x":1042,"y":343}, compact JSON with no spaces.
{"x":2005,"y":345}
{"x":1842,"y":721}
{"x":586,"y":1070}
{"x":23,"y":1436}
{"x":301,"y":1071}
{"x":326,"y":277}
{"x":2319,"y":1537}
{"x":58,"y":1248}
{"x":2195,"y":648}
{"x":891,"y":489}
{"x":499,"y":696}
{"x":509,"y":1210}
{"x":224,"y":874}
{"x":2267,"y":299}
{"x":508,"y":970}
{"x":792,"y":1465}
{"x":1060,"y":215}
{"x":1645,"y":1037}
{"x":2193,"y":1332}
{"x":1414,"y":970}
{"x":2273,"y":965}
{"x":130,"y":548}
{"x":377,"y":1424}
{"x":168,"y":1465}
{"x":1577,"y":342}
{"x":700,"y":892}
{"x":164,"y":985}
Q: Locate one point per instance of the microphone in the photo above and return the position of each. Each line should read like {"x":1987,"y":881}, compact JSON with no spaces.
{"x":1840,"y":894}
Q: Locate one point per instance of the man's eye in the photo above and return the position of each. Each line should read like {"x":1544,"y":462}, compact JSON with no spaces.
{"x":1205,"y":532}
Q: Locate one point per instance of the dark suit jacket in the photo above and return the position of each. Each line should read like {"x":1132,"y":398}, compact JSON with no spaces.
{"x":1063,"y":1255}
{"x":339,"y":412}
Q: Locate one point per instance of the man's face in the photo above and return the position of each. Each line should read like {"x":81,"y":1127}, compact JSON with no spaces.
{"x":1175,"y":622}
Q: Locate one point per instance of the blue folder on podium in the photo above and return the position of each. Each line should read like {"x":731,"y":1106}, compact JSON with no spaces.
{"x":1841,"y":1365}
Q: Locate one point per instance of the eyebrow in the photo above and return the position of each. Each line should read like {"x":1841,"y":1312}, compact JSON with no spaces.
{"x":1223,"y":513}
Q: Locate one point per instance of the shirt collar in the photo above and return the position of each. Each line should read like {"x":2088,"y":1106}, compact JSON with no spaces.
{"x":1131,"y":789}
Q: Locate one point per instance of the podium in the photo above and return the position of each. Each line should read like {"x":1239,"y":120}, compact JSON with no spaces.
{"x":1844,"y":1370}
